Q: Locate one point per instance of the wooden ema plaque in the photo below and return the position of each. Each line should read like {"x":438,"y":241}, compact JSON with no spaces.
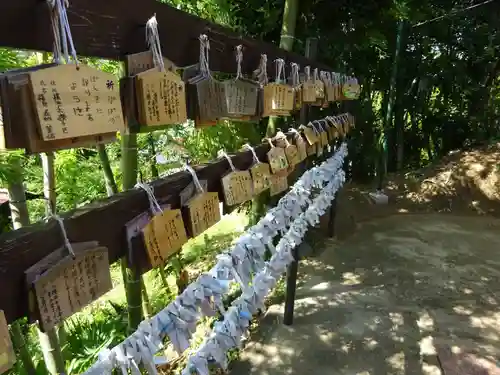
{"x":261,"y":175}
{"x":324,"y":138}
{"x":301,"y":147}
{"x":277,"y":160}
{"x":278,"y":99}
{"x":310,"y":135}
{"x":292,"y":155}
{"x":21,"y":125}
{"x":279,"y":184}
{"x":331,"y":92}
{"x":164,"y":236}
{"x":190,"y":191}
{"x":308,"y":92}
{"x":319,"y":145}
{"x":311,"y":149}
{"x":74,"y":102}
{"x":338,"y":89}
{"x":7,"y":354}
{"x":241,"y":98}
{"x":335,"y":133}
{"x":237,"y":187}
{"x":63,"y":284}
{"x":331,"y":130}
{"x":211,"y":100}
{"x":161,"y":98}
{"x":203,"y":211}
{"x":319,"y":88}
{"x":142,"y":61}
{"x":298,"y":98}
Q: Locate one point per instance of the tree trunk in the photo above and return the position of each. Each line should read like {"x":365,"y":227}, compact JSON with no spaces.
{"x":146,"y":306}
{"x":390,"y":102}
{"x":152,"y":157}
{"x":132,"y":278}
{"x":20,"y":218}
{"x":52,"y":354}
{"x":49,"y":184}
{"x":109,"y":179}
{"x":50,"y":341}
{"x":290,"y":11}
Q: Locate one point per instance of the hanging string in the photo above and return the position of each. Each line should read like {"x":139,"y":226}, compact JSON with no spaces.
{"x":326,"y":77}
{"x":196,"y":181}
{"x":307,"y":71}
{"x":222,"y":154}
{"x":239,"y":60}
{"x":201,"y":59}
{"x":314,"y":127}
{"x":262,"y":70}
{"x":62,"y":32}
{"x":252,"y":150}
{"x":316,"y":76}
{"x":153,"y":40}
{"x":295,"y":74}
{"x":336,"y":78}
{"x":295,"y":133}
{"x":64,"y":234}
{"x":280,"y":69}
{"x":280,"y":136}
{"x":270,"y":141}
{"x":54,"y":22}
{"x":204,"y":56}
{"x":153,"y":203}
{"x":68,"y":29}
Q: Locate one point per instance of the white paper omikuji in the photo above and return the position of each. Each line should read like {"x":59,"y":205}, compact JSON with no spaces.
{"x":178,"y":319}
{"x":196,"y":363}
{"x":121,"y":359}
{"x":223,"y":336}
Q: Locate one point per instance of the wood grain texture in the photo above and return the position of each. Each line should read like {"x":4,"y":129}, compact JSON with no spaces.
{"x":103,"y":221}
{"x":112,"y":29}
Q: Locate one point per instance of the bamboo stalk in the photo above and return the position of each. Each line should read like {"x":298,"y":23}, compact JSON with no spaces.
{"x":20,"y":218}
{"x":259,"y":203}
{"x":50,"y":341}
{"x":146,"y":305}
{"x":52,"y":354}
{"x":132,"y":278}
{"x":109,"y":179}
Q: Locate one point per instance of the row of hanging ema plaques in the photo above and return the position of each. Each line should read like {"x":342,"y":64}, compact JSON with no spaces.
{"x":56,"y":106}
{"x":162,"y":97}
{"x":73,"y":276}
{"x":166,"y":233}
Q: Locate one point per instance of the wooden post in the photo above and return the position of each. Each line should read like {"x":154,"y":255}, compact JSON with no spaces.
{"x":293,"y":268}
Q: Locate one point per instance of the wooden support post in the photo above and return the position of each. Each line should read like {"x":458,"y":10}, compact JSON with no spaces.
{"x":331,"y":220}
{"x":293,"y":268}
{"x":291,"y":287}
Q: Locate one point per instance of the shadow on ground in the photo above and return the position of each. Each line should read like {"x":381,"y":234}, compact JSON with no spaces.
{"x":386,"y":299}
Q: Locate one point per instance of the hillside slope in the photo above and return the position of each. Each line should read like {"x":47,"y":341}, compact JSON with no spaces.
{"x":463,"y":183}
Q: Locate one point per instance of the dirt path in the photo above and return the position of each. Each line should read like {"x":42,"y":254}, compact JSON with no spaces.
{"x":381,"y":302}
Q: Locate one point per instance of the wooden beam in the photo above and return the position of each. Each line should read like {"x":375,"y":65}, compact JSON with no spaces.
{"x":114,"y":28}
{"x":103,"y":221}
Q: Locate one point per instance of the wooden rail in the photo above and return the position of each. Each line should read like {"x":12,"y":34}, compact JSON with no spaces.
{"x":114,"y":28}
{"x":103,"y":221}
